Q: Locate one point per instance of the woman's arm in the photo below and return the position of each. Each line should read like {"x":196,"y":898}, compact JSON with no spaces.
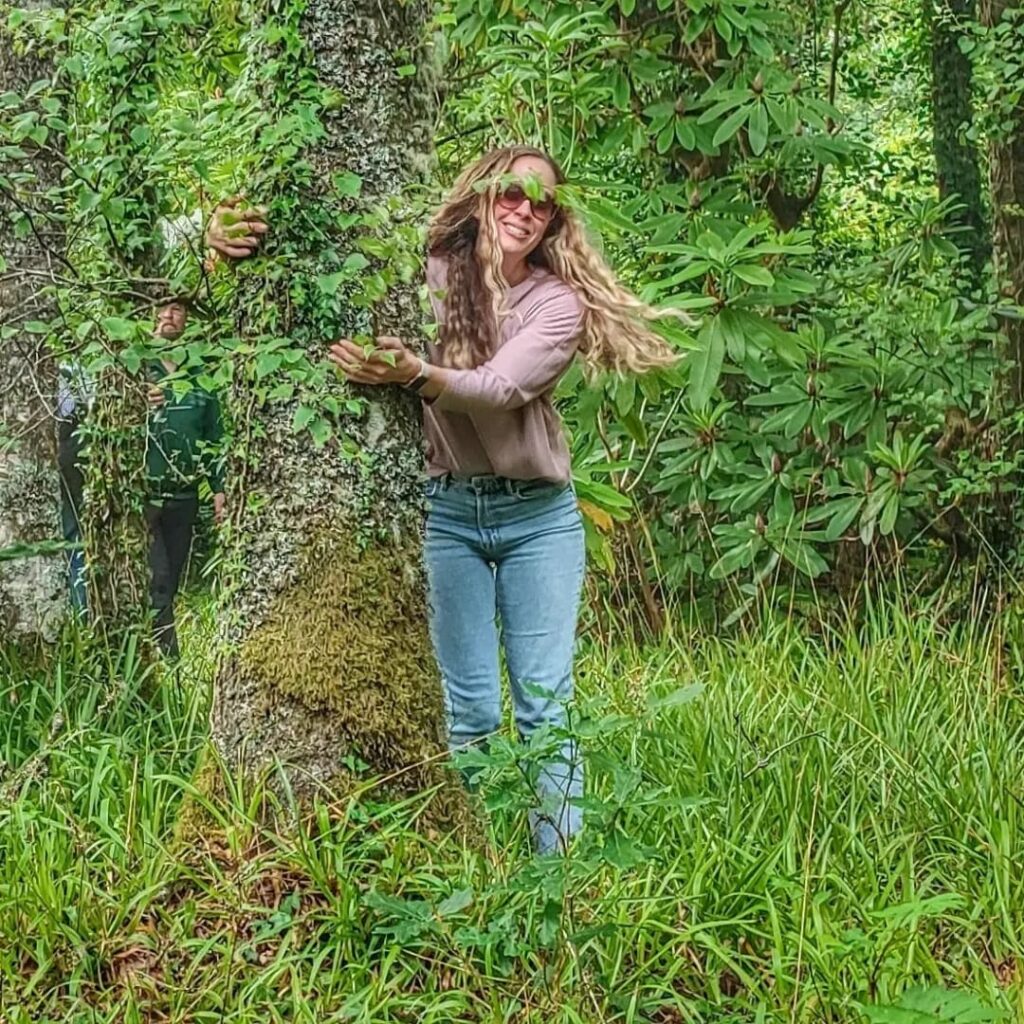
{"x":526,"y":366}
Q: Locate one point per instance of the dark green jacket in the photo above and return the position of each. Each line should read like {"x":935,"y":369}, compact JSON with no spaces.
{"x":184,"y":441}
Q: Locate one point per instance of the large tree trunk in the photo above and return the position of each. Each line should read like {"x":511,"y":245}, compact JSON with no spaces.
{"x":329,"y":653}
{"x":956,"y":156}
{"x":32,"y":590}
{"x":1006,"y":168}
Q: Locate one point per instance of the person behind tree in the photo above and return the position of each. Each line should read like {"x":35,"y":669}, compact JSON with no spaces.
{"x":518,"y":292}
{"x":74,"y":396}
{"x":183,"y":437}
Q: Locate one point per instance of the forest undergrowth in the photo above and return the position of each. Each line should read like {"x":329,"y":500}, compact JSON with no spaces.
{"x":782,"y":827}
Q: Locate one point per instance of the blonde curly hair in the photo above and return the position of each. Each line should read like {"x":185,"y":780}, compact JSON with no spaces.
{"x":616,"y":334}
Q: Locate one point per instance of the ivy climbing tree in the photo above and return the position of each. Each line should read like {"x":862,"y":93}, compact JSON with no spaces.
{"x":956,"y":152}
{"x":119,"y":55}
{"x":999,"y":53}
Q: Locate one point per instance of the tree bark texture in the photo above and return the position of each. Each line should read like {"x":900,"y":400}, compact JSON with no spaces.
{"x":32,"y":589}
{"x":956,"y":156}
{"x":329,"y":653}
{"x":1006,"y":170}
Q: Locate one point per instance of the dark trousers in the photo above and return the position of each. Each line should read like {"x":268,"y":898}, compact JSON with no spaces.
{"x":171,"y":524}
{"x":71,"y":490}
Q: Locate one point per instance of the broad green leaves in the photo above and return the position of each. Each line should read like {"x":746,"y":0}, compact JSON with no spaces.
{"x":706,"y":363}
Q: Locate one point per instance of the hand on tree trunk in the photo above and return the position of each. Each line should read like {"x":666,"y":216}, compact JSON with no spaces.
{"x":389,"y":363}
{"x":233,"y":232}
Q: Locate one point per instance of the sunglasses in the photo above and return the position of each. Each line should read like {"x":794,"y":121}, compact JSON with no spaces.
{"x":513,"y":195}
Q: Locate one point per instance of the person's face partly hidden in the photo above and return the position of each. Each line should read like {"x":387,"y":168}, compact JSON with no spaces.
{"x":521,"y":226}
{"x":170,"y":321}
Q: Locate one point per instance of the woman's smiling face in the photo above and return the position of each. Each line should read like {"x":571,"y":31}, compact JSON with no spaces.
{"x":520,"y":227}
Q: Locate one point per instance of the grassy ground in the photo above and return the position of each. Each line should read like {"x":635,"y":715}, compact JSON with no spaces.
{"x":828,"y":827}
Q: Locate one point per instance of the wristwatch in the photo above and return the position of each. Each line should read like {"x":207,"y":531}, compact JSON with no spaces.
{"x":419,"y":381}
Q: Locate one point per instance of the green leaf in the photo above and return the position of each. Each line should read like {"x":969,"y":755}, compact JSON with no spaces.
{"x":732,"y":99}
{"x":887,"y":520}
{"x":634,"y":426}
{"x":347,"y":184}
{"x":697,"y":268}
{"x":677,"y":698}
{"x":132,"y":360}
{"x":845,"y":512}
{"x":778,"y":114}
{"x":622,"y":852}
{"x":803,"y":557}
{"x":730,"y":126}
{"x":118,"y":328}
{"x":456,"y":902}
{"x":661,"y":111}
{"x":732,"y":331}
{"x":304,"y":415}
{"x":609,"y":215}
{"x":735,"y":558}
{"x":355,"y":262}
{"x":757,"y":129}
{"x":267,"y":363}
{"x":320,"y":430}
{"x":706,"y":363}
{"x":620,"y":90}
{"x":934,"y":1005}
{"x":783,"y":394}
{"x":686,"y":134}
{"x":36,"y":549}
{"x":283,"y":392}
{"x":754,"y":274}
{"x":329,"y":283}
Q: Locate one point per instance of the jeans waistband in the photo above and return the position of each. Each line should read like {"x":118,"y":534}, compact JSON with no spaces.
{"x":492,"y":484}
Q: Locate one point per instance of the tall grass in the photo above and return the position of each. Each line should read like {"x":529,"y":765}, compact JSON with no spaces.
{"x":833,"y":821}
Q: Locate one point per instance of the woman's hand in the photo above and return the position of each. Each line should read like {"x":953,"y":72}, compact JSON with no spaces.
{"x":390,"y":363}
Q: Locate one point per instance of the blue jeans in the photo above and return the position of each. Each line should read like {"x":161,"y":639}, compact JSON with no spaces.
{"x":509,"y":551}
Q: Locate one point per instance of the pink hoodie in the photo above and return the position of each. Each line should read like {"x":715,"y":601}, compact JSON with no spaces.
{"x":498,"y":418}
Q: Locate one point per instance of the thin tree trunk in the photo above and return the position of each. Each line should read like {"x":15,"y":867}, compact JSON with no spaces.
{"x":330,"y":661}
{"x":1006,"y":169}
{"x":956,"y":155}
{"x":32,"y":589}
